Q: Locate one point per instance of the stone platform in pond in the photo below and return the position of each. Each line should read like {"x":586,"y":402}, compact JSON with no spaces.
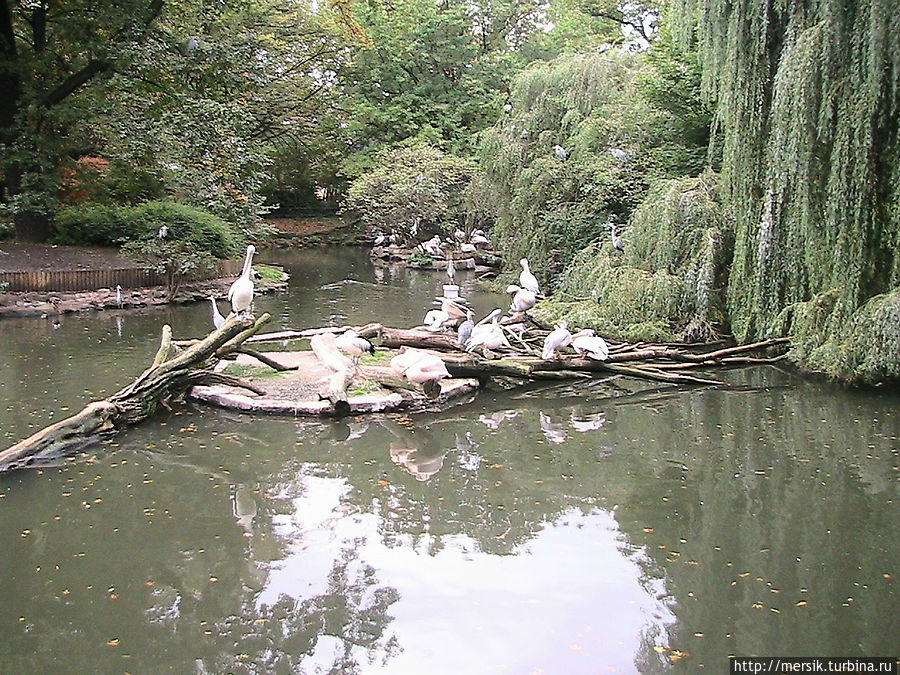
{"x":297,"y":392}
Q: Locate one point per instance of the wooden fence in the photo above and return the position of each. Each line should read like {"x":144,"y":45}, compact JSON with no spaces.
{"x":91,"y":280}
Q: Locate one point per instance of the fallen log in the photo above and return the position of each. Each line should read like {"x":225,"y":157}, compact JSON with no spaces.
{"x":168,"y":377}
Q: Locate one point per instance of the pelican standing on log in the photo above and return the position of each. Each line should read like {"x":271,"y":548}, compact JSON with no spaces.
{"x":522,"y":299}
{"x":527,"y":279}
{"x":241,"y":291}
{"x":558,"y":338}
{"x":592,"y":346}
{"x":217,"y":317}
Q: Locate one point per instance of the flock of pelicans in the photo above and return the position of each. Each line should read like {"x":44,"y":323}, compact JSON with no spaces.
{"x":420,"y":367}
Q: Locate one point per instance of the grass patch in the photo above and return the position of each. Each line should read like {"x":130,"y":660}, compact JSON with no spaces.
{"x":377,"y":359}
{"x":363,"y":388}
{"x":271,"y":272}
{"x":240,"y":370}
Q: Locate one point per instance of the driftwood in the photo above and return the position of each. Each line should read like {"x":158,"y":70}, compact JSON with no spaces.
{"x":169,"y":376}
{"x":180,"y":365}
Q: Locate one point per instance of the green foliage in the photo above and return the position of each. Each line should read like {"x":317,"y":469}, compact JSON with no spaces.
{"x":175,"y":260}
{"x":415,"y":191}
{"x":589,"y":104}
{"x":806,"y":96}
{"x":103,"y":225}
{"x":670,"y":282}
{"x":861,"y":346}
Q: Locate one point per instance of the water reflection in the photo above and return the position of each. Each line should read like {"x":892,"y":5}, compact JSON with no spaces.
{"x":610,"y":527}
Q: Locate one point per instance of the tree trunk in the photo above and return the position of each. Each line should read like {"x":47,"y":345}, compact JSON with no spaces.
{"x":168,"y":377}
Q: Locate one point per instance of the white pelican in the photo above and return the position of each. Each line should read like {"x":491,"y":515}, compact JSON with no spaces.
{"x":479,"y":239}
{"x":419,"y":367}
{"x":217,"y":317}
{"x":433,"y":247}
{"x":428,"y":368}
{"x":589,"y":345}
{"x":527,"y":279}
{"x":467,"y":248}
{"x":436,"y":318}
{"x":163,"y":232}
{"x":351,"y":343}
{"x":522,"y":298}
{"x":487,"y":333}
{"x":459,"y":235}
{"x":558,"y":338}
{"x":241,"y":291}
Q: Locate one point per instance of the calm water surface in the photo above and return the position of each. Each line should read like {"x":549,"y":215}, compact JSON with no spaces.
{"x":615,"y":527}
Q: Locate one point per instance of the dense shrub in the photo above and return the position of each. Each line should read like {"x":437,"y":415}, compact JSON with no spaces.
{"x":102,"y":225}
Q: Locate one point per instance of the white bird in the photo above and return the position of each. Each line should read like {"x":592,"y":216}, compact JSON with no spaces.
{"x":522,"y":298}
{"x":459,"y":235}
{"x":507,"y":108}
{"x":428,"y":368}
{"x":119,"y":295}
{"x":418,"y":366}
{"x":479,"y":239}
{"x":451,"y":270}
{"x":527,"y":280}
{"x":558,"y":338}
{"x":619,"y":154}
{"x":217,"y":317}
{"x":380,"y":239}
{"x":468,"y":247}
{"x":163,"y":231}
{"x":436,"y":318}
{"x":487,"y":333}
{"x":241,"y":291}
{"x":617,"y":241}
{"x":433,"y":247}
{"x":561,"y":152}
{"x":587,"y":344}
{"x":351,"y":343}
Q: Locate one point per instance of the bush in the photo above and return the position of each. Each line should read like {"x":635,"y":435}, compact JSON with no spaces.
{"x":103,"y":225}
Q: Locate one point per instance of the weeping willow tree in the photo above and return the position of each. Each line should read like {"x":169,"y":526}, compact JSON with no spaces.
{"x":669,"y":284}
{"x":551,"y":208}
{"x":808,"y":99}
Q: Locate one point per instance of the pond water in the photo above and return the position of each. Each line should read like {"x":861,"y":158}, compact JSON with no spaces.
{"x":615,"y":527}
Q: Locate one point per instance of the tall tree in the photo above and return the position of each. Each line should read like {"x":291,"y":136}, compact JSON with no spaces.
{"x":49,"y":51}
{"x":808,"y":97}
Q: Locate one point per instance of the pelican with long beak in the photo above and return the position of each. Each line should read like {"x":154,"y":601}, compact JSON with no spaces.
{"x":527,"y":279}
{"x":419,"y":367}
{"x":522,"y":298}
{"x":558,"y":338}
{"x":241,"y":291}
{"x":589,"y":345}
{"x":488,"y":334}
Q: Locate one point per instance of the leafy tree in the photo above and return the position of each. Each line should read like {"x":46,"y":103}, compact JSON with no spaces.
{"x":49,"y":51}
{"x":193,"y":95}
{"x":415,"y":192}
